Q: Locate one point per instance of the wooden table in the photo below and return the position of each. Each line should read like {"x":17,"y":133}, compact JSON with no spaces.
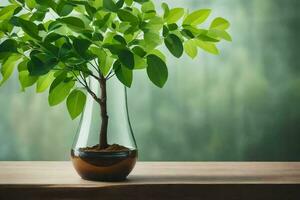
{"x":155,"y":180}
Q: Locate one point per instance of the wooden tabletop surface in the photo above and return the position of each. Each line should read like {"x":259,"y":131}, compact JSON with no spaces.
{"x":59,"y":174}
{"x":160,"y":178}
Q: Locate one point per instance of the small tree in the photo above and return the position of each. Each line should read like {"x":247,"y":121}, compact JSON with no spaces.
{"x":58,"y":43}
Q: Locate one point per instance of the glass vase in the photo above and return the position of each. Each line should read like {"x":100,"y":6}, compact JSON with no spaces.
{"x":116,"y":160}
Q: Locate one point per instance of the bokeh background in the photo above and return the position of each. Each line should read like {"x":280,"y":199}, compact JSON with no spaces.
{"x":243,"y":105}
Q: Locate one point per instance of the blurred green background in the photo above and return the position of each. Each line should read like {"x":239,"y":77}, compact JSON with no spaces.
{"x":243,"y":105}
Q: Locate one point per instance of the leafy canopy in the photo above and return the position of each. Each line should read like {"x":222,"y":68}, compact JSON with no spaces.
{"x":60,"y":43}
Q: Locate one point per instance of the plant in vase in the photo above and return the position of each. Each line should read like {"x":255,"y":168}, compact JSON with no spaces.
{"x":76,"y":47}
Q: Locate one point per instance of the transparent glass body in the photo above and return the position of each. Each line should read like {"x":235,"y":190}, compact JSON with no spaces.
{"x":118,"y":159}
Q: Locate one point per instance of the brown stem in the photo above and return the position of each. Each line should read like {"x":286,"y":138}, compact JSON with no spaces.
{"x":103,"y":108}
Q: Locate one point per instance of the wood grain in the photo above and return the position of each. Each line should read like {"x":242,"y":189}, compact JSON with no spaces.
{"x":155,"y":180}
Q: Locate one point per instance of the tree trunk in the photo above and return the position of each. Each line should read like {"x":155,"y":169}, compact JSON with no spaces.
{"x":103,"y":108}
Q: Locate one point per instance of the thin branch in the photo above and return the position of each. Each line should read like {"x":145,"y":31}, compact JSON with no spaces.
{"x":110,"y":76}
{"x":98,"y":100}
{"x":94,"y":66}
{"x":23,"y":6}
{"x":78,"y":79}
{"x":96,"y":77}
{"x":24,"y":55}
{"x":83,"y":78}
{"x":85,"y":85}
{"x":98,"y":69}
{"x":110,"y":72}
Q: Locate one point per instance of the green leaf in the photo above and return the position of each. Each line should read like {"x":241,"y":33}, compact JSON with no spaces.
{"x":8,"y":66}
{"x":30,"y":28}
{"x":97,"y":4}
{"x":154,"y":24}
{"x":120,"y":4}
{"x":139,"y":62}
{"x":90,"y":10}
{"x":114,"y":48}
{"x":127,"y":16}
{"x":50,"y":49}
{"x":81,"y":46}
{"x":6,"y":26}
{"x":73,"y":22}
{"x":97,"y":36}
{"x":44,"y":82}
{"x":76,"y":102}
{"x":66,"y":52}
{"x":48,"y":3}
{"x":23,"y":65}
{"x":105,"y":61}
{"x":7,"y":12}
{"x":41,"y":64}
{"x":106,"y":64}
{"x":215,"y":33}
{"x":187,"y":33}
{"x":120,"y":39}
{"x":206,"y":38}
{"x":140,"y":1}
{"x":152,"y":39}
{"x":174,"y":44}
{"x":60,"y":76}
{"x":100,"y":23}
{"x":158,"y":53}
{"x":60,"y":92}
{"x":110,"y":5}
{"x":165,"y":31}
{"x":17,"y":10}
{"x":128,"y":2}
{"x":139,"y":51}
{"x":31,"y":4}
{"x":207,"y":46}
{"x":220,"y":24}
{"x":123,"y":74}
{"x":52,"y":37}
{"x":26,"y":80}
{"x":126,"y":58}
{"x":174,"y":15}
{"x":172,"y":27}
{"x":63,"y":8}
{"x":8,"y":45}
{"x":20,"y":1}
{"x":197,"y":17}
{"x":148,"y":7}
{"x":157,"y":70}
{"x":39,"y":14}
{"x":166,"y":9}
{"x":190,"y":48}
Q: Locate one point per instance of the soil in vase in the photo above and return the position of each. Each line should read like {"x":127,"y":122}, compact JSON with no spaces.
{"x":113,"y":163}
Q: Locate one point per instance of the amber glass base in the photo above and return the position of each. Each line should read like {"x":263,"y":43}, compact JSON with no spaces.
{"x":104,"y":166}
